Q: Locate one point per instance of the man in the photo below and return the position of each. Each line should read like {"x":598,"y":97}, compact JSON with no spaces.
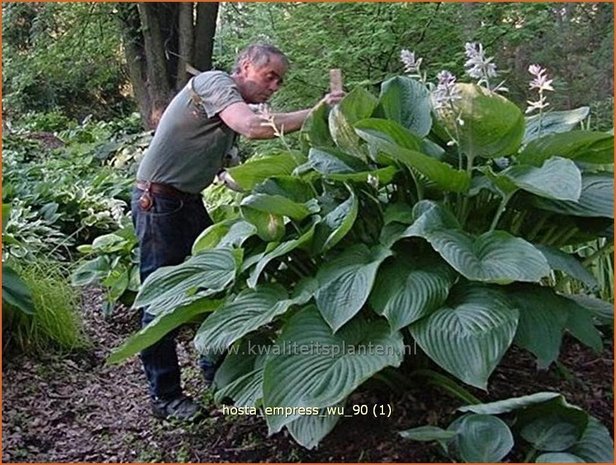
{"x":195,"y":132}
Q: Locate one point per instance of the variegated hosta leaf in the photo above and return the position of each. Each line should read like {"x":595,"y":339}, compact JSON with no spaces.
{"x":469,"y":336}
{"x":254,"y":171}
{"x":250,"y":310}
{"x":345,"y":282}
{"x":279,"y":251}
{"x":494,"y":257}
{"x":558,"y":178}
{"x":308,"y":430}
{"x":405,"y":291}
{"x":310,"y":366}
{"x":160,"y":326}
{"x":199,"y":276}
{"x":596,"y":199}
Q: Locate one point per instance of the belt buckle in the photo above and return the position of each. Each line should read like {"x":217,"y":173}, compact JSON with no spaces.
{"x":146,"y":202}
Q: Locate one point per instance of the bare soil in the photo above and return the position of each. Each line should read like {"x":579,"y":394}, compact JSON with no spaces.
{"x":74,"y":408}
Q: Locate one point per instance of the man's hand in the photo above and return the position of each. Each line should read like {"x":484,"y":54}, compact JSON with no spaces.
{"x":333,"y":98}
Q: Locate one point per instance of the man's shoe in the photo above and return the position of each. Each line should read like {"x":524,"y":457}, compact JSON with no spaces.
{"x":181,"y":408}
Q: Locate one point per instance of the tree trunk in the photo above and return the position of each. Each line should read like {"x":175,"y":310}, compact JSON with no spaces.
{"x":160,"y":39}
{"x":205,"y":29}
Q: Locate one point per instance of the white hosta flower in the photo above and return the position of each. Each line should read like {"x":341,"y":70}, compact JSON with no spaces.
{"x":541,"y":83}
{"x":480,"y":67}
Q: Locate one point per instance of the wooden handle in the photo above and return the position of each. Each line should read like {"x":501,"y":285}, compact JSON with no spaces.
{"x":335,"y":80}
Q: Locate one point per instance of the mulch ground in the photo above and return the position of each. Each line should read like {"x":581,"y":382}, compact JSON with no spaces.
{"x":74,"y":408}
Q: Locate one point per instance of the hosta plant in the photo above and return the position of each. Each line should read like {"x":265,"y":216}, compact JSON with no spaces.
{"x":549,"y":428}
{"x":434,"y":214}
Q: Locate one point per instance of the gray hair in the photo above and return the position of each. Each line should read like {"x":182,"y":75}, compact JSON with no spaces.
{"x":259,"y":55}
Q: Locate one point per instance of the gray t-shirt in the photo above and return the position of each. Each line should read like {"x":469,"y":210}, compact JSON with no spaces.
{"x":191,"y":140}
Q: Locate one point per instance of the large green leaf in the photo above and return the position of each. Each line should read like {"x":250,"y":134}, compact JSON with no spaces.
{"x":567,"y":263}
{"x":596,"y":199}
{"x":397,"y":142}
{"x":91,"y":272}
{"x":358,"y":104}
{"x":330,"y":161}
{"x":559,"y":457}
{"x":276,"y":205}
{"x":492,"y":125}
{"x":345,"y":282}
{"x":469,"y":336}
{"x":199,"y":276}
{"x":596,"y":443}
{"x":279,"y":251}
{"x":558,"y":178}
{"x":292,"y":187}
{"x":228,"y":233}
{"x":601,"y":310}
{"x":553,"y":122}
{"x":408,"y":102}
{"x":270,"y":227}
{"x":160,"y":326}
{"x":311,"y":366}
{"x":542,"y":322}
{"x":511,"y":404}
{"x":428,"y":433}
{"x":258,"y":170}
{"x":336,"y":224}
{"x":581,"y":146}
{"x":316,"y":129}
{"x":308,"y":430}
{"x":15,"y":292}
{"x":406,"y":291}
{"x":482,"y":438}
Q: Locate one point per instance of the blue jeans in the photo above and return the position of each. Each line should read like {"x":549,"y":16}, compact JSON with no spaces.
{"x":166,"y":233}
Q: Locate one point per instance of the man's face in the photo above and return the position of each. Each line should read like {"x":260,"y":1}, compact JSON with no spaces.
{"x":258,"y":84}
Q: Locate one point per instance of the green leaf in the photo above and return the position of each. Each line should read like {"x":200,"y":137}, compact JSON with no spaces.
{"x":492,"y":125}
{"x":212,"y":235}
{"x":331,"y":161}
{"x":310,"y":366}
{"x":469,"y":336}
{"x":567,"y":263}
{"x":276,"y":205}
{"x":251,"y":173}
{"x":596,"y":443}
{"x":201,"y":275}
{"x":6,"y":214}
{"x":108,"y":243}
{"x":292,"y":187}
{"x":596,"y":199}
{"x":494,"y":257}
{"x":159,"y":327}
{"x":601,"y":310}
{"x":482,"y":439}
{"x":398,"y":143}
{"x":279,"y":251}
{"x":511,"y":404}
{"x":407,"y":102}
{"x":553,"y":122}
{"x":308,"y":430}
{"x":558,"y":457}
{"x":405,"y":291}
{"x":542,"y":322}
{"x":552,"y":426}
{"x":91,"y":272}
{"x":270,"y":227}
{"x":558,"y":178}
{"x":358,"y":104}
{"x":117,"y":282}
{"x":580,"y":325}
{"x":428,"y":433}
{"x":250,"y":310}
{"x":336,"y":224}
{"x":346,"y":281}
{"x":316,"y":129}
{"x":581,"y":146}
{"x":15,"y":292}
{"x":383,"y":176}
